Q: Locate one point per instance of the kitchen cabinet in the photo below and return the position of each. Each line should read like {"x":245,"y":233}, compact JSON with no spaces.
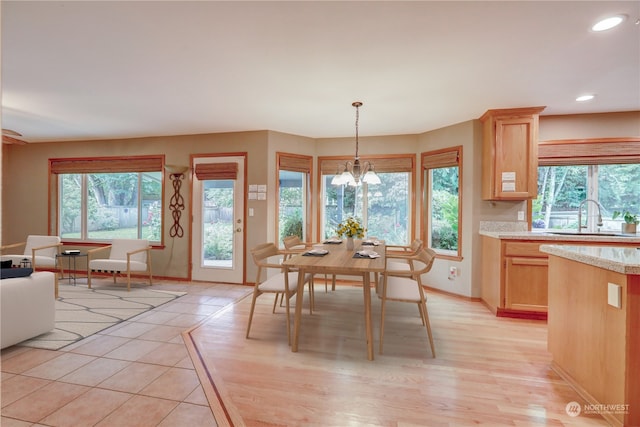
{"x":525,"y":276}
{"x":510,"y":153}
{"x":515,"y":274}
{"x":514,"y":278}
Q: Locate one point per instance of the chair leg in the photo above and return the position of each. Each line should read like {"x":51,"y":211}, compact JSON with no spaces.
{"x":382,"y":309}
{"x":275,"y":302}
{"x":89,"y":278}
{"x":128,"y":280}
{"x":253,"y":306}
{"x":422,"y":315}
{"x":312,"y":300}
{"x":287,"y":296}
{"x":425,"y":318}
{"x":428,"y":327}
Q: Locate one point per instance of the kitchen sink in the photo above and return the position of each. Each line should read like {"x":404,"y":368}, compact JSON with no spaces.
{"x":586,"y":233}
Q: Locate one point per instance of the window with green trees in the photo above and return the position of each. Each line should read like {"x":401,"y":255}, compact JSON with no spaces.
{"x":294,"y":171}
{"x":562,"y":189}
{"x":442,"y":195}
{"x":384,"y":209}
{"x":100,"y":206}
{"x":605,"y":170}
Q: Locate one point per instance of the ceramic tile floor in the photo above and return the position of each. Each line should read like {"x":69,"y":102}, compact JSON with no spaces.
{"x":136,"y":373}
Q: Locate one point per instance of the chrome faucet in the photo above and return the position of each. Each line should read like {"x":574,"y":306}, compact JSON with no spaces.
{"x":599,"y":224}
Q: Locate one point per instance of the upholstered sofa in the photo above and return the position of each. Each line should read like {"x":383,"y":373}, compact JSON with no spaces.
{"x":27,"y":307}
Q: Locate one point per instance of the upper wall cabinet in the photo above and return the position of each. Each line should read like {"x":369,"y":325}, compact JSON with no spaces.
{"x":510,"y":154}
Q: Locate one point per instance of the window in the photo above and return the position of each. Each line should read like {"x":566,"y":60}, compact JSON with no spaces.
{"x":102,"y":199}
{"x":443,"y":199}
{"x":293,"y":195}
{"x":604,"y":170}
{"x":385,"y":209}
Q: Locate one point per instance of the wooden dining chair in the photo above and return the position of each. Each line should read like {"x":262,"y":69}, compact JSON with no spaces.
{"x":399,"y":257}
{"x":406,"y":286}
{"x":294,"y":245}
{"x":267,"y":257}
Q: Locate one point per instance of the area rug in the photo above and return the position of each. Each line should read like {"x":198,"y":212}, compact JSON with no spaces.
{"x":81,"y":312}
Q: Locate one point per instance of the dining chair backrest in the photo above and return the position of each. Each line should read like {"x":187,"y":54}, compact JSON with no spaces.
{"x":263,"y":251}
{"x":290,"y":242}
{"x":416,"y":245}
{"x":426,"y":257}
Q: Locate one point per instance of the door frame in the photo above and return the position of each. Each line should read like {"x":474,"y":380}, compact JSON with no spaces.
{"x":244,"y":155}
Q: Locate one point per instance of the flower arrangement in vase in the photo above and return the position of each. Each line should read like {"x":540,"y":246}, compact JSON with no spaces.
{"x":350,"y":228}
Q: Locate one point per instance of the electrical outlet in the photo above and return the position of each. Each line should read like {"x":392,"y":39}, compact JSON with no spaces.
{"x":614,"y":295}
{"x":453,"y":272}
{"x":520,"y":215}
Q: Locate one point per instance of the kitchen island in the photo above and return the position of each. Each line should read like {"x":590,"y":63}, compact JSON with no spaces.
{"x":594,"y":326}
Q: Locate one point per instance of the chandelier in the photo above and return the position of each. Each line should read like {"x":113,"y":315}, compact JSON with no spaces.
{"x":354,"y":174}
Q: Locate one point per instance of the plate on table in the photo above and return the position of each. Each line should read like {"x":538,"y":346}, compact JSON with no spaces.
{"x":367,"y":253}
{"x":316,"y":252}
{"x":333,"y":241}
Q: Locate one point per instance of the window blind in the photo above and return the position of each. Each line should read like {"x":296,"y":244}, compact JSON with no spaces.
{"x":589,"y":151}
{"x":211,"y":171}
{"x":441,"y":158}
{"x":294,"y":163}
{"x":107,"y":165}
{"x":402,"y":163}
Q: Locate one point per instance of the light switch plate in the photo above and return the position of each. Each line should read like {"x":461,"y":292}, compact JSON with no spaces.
{"x":615,"y":295}
{"x":508,"y":176}
{"x":508,"y":186}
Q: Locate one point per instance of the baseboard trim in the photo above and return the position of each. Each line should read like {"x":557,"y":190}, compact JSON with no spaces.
{"x":520,"y":314}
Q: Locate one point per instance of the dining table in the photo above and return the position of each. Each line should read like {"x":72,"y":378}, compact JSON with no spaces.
{"x":333,"y":257}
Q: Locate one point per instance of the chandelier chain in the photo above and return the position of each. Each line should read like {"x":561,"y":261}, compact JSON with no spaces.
{"x":357,"y":105}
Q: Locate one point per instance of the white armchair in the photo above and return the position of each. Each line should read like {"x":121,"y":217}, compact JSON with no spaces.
{"x":125,"y":256}
{"x":40,"y":251}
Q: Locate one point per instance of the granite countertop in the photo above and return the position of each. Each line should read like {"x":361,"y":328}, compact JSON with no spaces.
{"x":545,"y":236}
{"x":619,"y":259}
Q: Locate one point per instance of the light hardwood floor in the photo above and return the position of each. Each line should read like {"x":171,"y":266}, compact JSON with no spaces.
{"x":488,"y":371}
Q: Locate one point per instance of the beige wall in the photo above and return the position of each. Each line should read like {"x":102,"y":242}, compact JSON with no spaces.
{"x":25,"y":181}
{"x":578,"y":126}
{"x":469,"y":136}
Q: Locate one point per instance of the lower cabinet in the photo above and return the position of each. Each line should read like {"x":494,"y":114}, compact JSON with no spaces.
{"x":525,"y":286}
{"x":515,"y":275}
{"x":524,"y":279}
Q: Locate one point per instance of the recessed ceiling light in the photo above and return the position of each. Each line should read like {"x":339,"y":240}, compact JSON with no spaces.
{"x":608,"y":23}
{"x":583,"y":98}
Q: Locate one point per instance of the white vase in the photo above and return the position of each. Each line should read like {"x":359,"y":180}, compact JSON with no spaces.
{"x":349,"y":243}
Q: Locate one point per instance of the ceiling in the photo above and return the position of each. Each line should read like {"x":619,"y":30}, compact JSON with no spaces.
{"x":86,"y":70}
